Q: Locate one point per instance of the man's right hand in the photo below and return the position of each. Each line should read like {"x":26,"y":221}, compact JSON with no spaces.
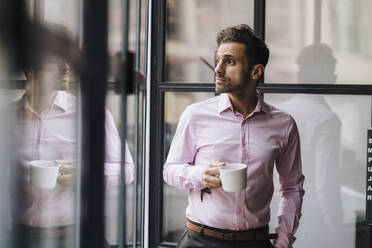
{"x":211,"y":176}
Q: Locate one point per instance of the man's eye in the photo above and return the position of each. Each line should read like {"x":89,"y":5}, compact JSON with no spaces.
{"x":230,"y":61}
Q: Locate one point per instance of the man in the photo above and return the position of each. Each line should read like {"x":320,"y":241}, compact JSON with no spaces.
{"x":46,"y":130}
{"x":236,"y":126}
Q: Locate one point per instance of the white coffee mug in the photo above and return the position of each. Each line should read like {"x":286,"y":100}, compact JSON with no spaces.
{"x":233,"y":177}
{"x":43,"y":174}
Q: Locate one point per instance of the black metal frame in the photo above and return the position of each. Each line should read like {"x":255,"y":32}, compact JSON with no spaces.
{"x":93,"y":89}
{"x":158,"y":13}
{"x":159,"y":87}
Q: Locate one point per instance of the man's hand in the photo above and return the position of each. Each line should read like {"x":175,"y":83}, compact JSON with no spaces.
{"x":67,"y":172}
{"x":211,"y":176}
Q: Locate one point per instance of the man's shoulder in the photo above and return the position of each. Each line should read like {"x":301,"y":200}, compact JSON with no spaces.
{"x":209,"y":105}
{"x":71,"y":100}
{"x":280,"y":115}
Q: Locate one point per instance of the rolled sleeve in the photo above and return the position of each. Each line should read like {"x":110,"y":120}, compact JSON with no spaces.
{"x":291,"y":180}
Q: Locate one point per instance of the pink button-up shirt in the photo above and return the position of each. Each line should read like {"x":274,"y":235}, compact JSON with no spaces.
{"x":52,"y":135}
{"x":211,"y":131}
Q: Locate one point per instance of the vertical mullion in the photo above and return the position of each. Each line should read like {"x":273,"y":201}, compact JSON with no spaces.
{"x":259,"y":24}
{"x":259,"y":18}
{"x":138,"y":35}
{"x":158,"y":14}
{"x":144,"y":124}
{"x":136,"y":123}
{"x":143,"y":164}
{"x":146,"y":35}
{"x":123,"y":121}
{"x":93,"y":90}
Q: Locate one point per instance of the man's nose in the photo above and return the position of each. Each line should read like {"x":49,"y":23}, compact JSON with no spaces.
{"x":65,"y":68}
{"x":219,"y":69}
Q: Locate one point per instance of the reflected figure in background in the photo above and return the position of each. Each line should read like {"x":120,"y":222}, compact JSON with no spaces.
{"x":237,"y":127}
{"x":320,"y":132}
{"x":46,"y":130}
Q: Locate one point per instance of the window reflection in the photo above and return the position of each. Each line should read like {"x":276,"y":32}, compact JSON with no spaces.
{"x":332,"y":145}
{"x":44,"y":153}
{"x":292,"y":25}
{"x":191,"y":34}
{"x":334,"y":202}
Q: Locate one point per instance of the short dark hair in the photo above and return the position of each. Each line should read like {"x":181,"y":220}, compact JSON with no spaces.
{"x":256,"y":49}
{"x":43,"y":50}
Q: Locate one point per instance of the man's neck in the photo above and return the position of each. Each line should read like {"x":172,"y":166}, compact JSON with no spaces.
{"x":39,"y":97}
{"x":244,"y":102}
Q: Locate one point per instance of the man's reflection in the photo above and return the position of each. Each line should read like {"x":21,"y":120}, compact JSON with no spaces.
{"x":320,"y":131}
{"x":46,"y":130}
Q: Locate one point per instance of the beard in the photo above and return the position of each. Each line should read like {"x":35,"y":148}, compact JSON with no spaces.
{"x":229,"y":86}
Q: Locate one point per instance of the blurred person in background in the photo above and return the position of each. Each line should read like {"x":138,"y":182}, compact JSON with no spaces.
{"x":320,"y":132}
{"x":237,"y":126}
{"x":46,"y":121}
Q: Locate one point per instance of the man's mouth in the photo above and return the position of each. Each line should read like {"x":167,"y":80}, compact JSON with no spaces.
{"x":220,"y":80}
{"x":64,"y":77}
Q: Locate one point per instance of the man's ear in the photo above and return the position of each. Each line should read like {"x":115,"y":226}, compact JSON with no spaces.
{"x":257,"y":71}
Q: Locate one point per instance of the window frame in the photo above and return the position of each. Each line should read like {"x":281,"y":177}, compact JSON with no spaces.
{"x":159,"y":87}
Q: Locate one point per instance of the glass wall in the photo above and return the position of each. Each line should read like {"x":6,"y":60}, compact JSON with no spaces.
{"x":133,"y":102}
{"x":336,"y":35}
{"x":42,"y":113}
{"x":42,"y":119}
{"x":191,"y":35}
{"x":333,"y":133}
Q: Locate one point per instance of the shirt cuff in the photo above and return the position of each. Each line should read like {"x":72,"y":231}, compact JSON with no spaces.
{"x":197,"y":177}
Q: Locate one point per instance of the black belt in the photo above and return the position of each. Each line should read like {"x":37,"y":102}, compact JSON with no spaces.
{"x":252,"y":234}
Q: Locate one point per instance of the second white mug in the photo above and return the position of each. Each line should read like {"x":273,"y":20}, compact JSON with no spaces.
{"x":43,"y":174}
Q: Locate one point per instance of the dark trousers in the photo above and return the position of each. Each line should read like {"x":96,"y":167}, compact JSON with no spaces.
{"x":23,"y":239}
{"x":191,"y":239}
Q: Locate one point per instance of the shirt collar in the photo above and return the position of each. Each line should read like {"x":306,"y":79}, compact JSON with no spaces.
{"x":60,"y":100}
{"x":224,"y":103}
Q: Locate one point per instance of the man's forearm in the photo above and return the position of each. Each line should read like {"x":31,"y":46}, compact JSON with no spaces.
{"x":183,"y":176}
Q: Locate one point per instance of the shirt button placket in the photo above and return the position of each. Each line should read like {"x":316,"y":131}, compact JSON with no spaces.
{"x":40,"y":135}
{"x":243,"y":142}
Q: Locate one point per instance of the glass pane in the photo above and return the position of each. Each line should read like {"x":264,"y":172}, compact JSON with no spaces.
{"x":333,"y":132}
{"x":7,"y":116}
{"x":191,"y":35}
{"x":41,"y":118}
{"x":143,"y":49}
{"x":317,"y":41}
{"x":114,"y":102}
{"x":175,"y":200}
{"x":65,"y":12}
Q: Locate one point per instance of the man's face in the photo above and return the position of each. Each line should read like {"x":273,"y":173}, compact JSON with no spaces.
{"x":232,"y":73}
{"x":54,"y":72}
